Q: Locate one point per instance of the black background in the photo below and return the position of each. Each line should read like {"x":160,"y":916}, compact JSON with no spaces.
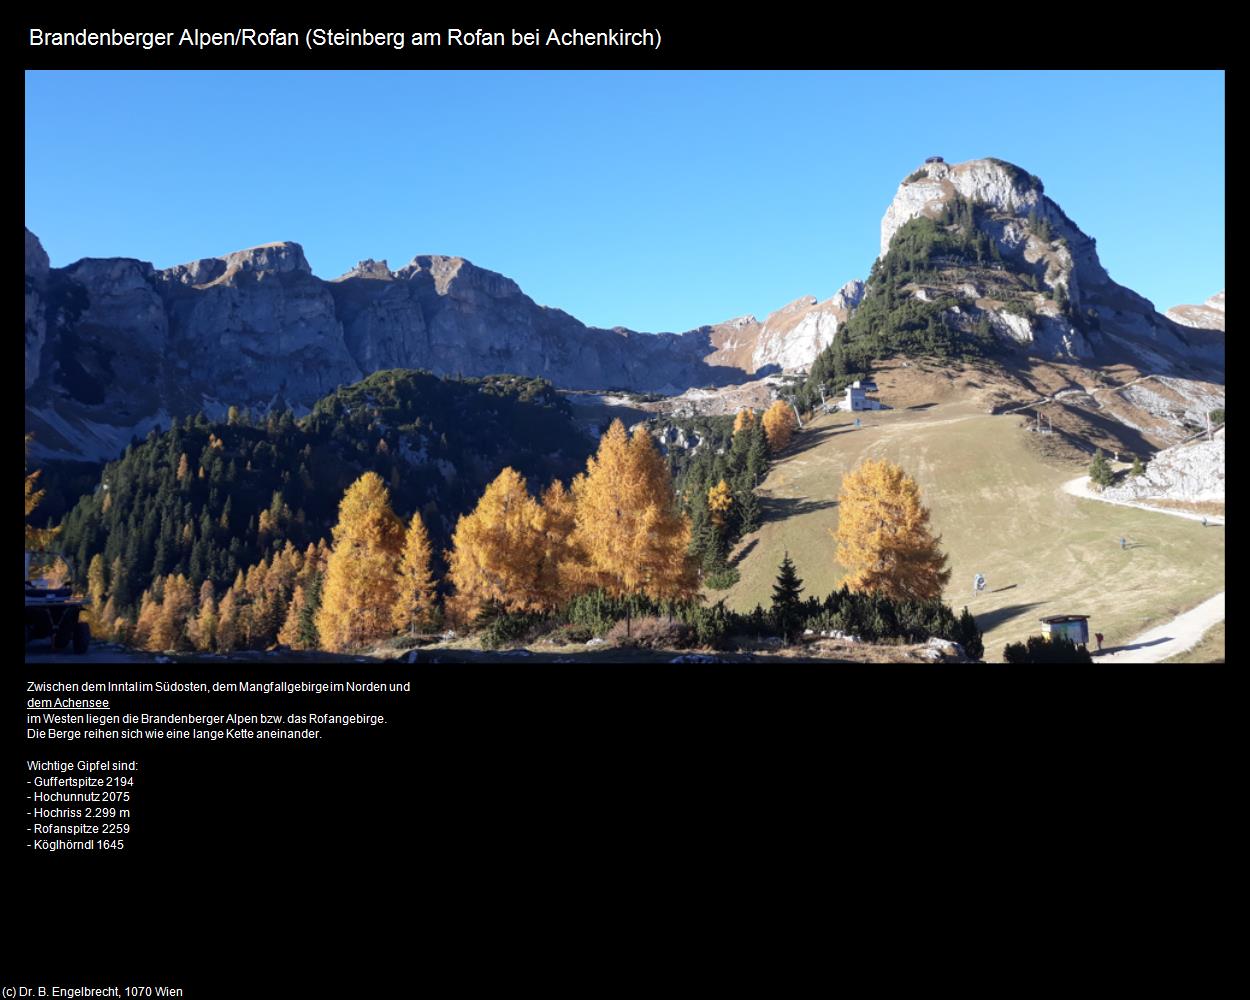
{"x":613,"y":815}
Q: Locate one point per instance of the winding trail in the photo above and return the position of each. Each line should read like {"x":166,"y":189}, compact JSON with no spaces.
{"x":1171,"y":638}
{"x":1084,"y":390}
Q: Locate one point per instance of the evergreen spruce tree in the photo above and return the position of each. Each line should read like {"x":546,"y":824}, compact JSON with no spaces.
{"x":969,"y":636}
{"x":757,"y":454}
{"x":1100,"y":473}
{"x":309,"y":637}
{"x":787,"y":609}
{"x":1138,"y":469}
{"x":704,"y":542}
{"x":749,"y":511}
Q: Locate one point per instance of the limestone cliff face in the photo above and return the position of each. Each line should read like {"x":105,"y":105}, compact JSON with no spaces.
{"x":793,"y":335}
{"x":1078,"y":312}
{"x":36,"y":290}
{"x":789,"y":338}
{"x":115,"y":346}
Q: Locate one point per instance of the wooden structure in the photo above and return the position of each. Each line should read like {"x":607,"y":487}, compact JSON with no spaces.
{"x":1073,"y":627}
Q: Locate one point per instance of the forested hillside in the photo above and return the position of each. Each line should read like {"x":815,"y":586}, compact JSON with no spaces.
{"x":892,"y":319}
{"x":207,"y":499}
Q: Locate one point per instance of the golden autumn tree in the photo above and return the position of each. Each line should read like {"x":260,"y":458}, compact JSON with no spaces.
{"x":359,"y":591}
{"x":289,"y":634}
{"x":202,"y":628}
{"x":96,"y":587}
{"x":779,"y":425}
{"x":883,"y":535}
{"x":149,"y":612}
{"x":37,"y":539}
{"x":496,"y":551}
{"x":561,"y":559}
{"x":168,"y":631}
{"x":744,"y":419}
{"x":228,"y":634}
{"x":719,"y":501}
{"x":415,"y":607}
{"x":627,"y":523}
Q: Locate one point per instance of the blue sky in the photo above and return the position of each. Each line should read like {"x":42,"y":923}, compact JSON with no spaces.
{"x":658,"y":201}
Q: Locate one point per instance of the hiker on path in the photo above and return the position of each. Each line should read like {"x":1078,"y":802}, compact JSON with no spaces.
{"x":1122,"y":545}
{"x":1204,"y":522}
{"x":1098,"y":639}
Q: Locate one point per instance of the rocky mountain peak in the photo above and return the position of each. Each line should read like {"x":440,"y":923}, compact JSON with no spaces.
{"x":1022,"y":266}
{"x":268,"y":258}
{"x":995,"y":183}
{"x":36,"y":258}
{"x":281,"y":258}
{"x":848,"y":296}
{"x":369,"y":268}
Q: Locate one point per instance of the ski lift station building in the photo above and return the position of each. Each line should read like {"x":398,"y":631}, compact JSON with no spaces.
{"x":857,"y":397}
{"x":1074,"y":627}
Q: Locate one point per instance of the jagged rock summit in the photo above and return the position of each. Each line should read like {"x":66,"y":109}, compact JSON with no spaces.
{"x":790,"y":337}
{"x":1074,"y":310}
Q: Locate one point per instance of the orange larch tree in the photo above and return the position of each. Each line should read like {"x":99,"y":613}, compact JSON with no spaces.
{"x":627,"y":523}
{"x":359,"y":591}
{"x":744,"y":419}
{"x":558,"y":573}
{"x":883,"y":535}
{"x":496,"y":552}
{"x":779,"y":425}
{"x":416,"y":607}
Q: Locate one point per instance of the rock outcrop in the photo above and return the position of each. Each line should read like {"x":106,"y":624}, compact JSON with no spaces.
{"x":1192,"y":472}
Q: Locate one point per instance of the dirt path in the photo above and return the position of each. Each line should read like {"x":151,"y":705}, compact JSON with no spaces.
{"x":1085,"y":390}
{"x":1079,"y":487}
{"x":1181,"y":633}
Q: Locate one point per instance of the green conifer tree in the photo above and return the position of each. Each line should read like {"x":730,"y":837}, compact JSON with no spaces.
{"x":1100,"y":473}
{"x":787,"y":608}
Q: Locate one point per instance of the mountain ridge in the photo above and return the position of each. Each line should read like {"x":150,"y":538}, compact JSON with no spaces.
{"x":115,"y":346}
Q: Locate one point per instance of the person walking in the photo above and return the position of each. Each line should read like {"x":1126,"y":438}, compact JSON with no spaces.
{"x":1122,"y":544}
{"x":1204,"y":522}
{"x":1098,"y":639}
